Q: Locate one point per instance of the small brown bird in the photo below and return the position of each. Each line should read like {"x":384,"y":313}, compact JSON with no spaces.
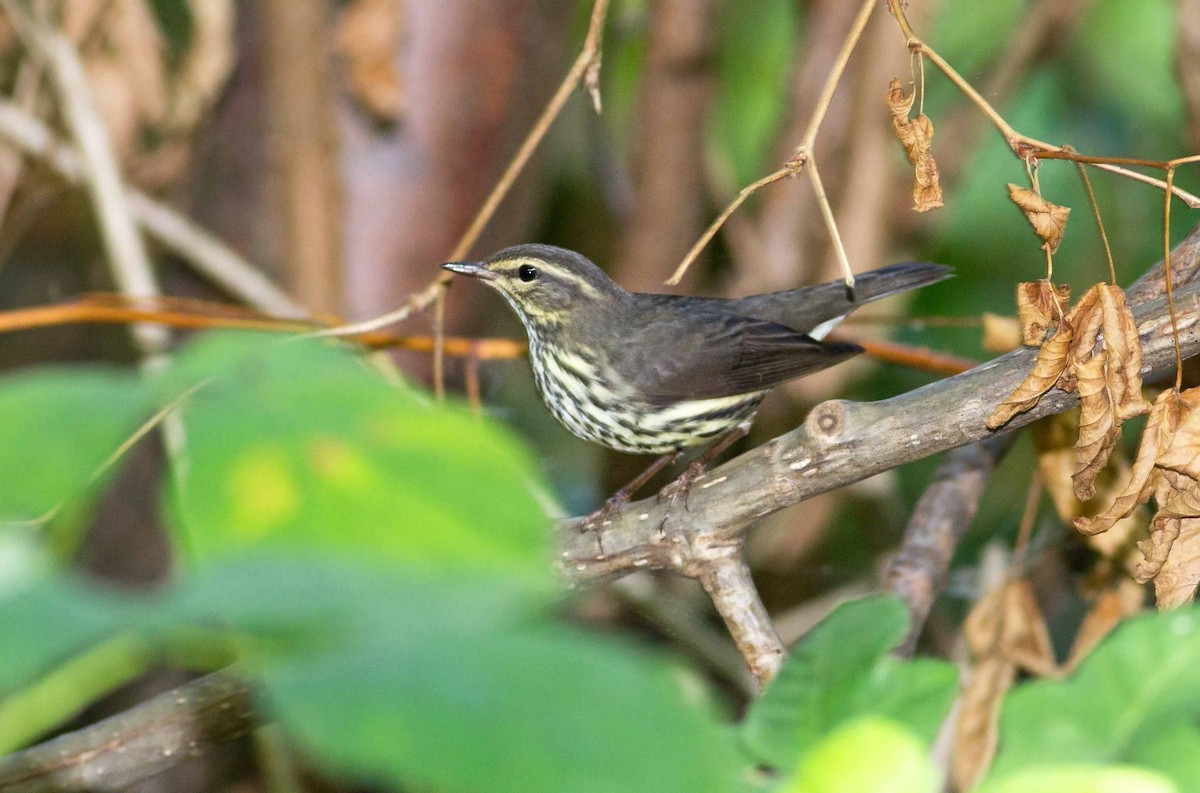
{"x":651,"y":373}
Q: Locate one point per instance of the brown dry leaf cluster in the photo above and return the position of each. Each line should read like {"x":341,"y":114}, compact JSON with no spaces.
{"x":368,"y":36}
{"x":1095,"y":350}
{"x":1049,"y":220}
{"x":916,"y":136}
{"x":1006,"y":633}
{"x":1040,"y":306}
{"x":150,"y":99}
{"x":1168,"y":467}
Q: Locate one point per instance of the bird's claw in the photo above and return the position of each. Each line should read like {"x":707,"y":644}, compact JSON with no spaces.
{"x":680,"y":488}
{"x":598,"y":519}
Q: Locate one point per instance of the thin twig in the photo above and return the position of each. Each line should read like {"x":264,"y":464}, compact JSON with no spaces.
{"x":103,"y":309}
{"x":802,"y":155}
{"x":1087,"y":185}
{"x":839,"y":249}
{"x":1022,"y":145}
{"x":790,"y":169}
{"x":199,"y":249}
{"x":127,"y":256}
{"x":586,"y":63}
{"x":917,"y":358}
{"x":1169,"y":285}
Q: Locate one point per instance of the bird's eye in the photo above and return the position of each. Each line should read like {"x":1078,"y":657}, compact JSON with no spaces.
{"x":527,"y":272}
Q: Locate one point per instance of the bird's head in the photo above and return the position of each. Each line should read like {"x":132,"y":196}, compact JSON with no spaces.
{"x":547,"y":286}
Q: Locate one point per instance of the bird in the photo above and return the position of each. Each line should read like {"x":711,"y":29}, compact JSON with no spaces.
{"x":653,"y":373}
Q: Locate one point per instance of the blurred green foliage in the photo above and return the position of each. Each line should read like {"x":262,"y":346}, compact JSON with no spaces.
{"x":443,"y":661}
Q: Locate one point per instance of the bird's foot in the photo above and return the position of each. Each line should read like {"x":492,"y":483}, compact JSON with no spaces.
{"x":681,"y":488}
{"x":596,"y":521}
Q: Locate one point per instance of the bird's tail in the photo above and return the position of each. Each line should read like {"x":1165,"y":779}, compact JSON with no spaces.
{"x":815,"y":309}
{"x":893,"y":279}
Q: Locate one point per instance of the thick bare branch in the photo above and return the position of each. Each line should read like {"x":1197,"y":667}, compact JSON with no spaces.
{"x":725,"y":576}
{"x":125,"y":749}
{"x":941,"y":519}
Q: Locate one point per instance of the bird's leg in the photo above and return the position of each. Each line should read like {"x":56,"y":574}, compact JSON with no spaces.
{"x":682,"y":486}
{"x":622,"y":496}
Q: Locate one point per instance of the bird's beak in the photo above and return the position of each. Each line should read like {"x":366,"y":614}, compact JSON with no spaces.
{"x":473,"y":269}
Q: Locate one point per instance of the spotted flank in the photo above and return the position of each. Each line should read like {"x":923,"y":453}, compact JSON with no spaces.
{"x":602,"y":411}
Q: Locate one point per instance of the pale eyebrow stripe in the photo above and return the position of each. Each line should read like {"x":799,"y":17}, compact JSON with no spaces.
{"x":509,"y":265}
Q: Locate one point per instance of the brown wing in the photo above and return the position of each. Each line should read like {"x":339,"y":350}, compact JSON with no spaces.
{"x":709,"y":355}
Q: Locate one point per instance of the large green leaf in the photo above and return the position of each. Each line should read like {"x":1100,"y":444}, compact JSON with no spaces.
{"x":399,"y":675}
{"x":843,"y":670}
{"x":458,"y":685}
{"x":531,"y":709}
{"x":1136,"y":699}
{"x":57,"y":428}
{"x":301,"y":444}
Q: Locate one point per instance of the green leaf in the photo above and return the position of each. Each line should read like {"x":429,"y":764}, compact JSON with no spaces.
{"x":64,"y":646}
{"x":843,"y":670}
{"x":1135,"y":699}
{"x":522,"y":710}
{"x":61,"y":694}
{"x":1081,"y":779}
{"x":303,"y":602}
{"x":300,"y":444}
{"x":867,"y":755}
{"x":48,"y":622}
{"x":57,"y":428}
{"x":458,"y":685}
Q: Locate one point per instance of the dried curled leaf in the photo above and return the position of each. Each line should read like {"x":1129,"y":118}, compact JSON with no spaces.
{"x":1050,"y":364}
{"x":1178,"y":504}
{"x":1156,"y":439}
{"x":1123,"y":353}
{"x":1112,"y":606}
{"x":1005,"y":631}
{"x":1040,"y":304}
{"x":368,"y":37}
{"x":1095,"y":350}
{"x":1099,"y":426}
{"x":916,"y":137}
{"x":1177,"y":578}
{"x":1049,"y":220}
{"x":977,"y":727}
{"x":1181,"y":450}
{"x":1054,"y":444}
